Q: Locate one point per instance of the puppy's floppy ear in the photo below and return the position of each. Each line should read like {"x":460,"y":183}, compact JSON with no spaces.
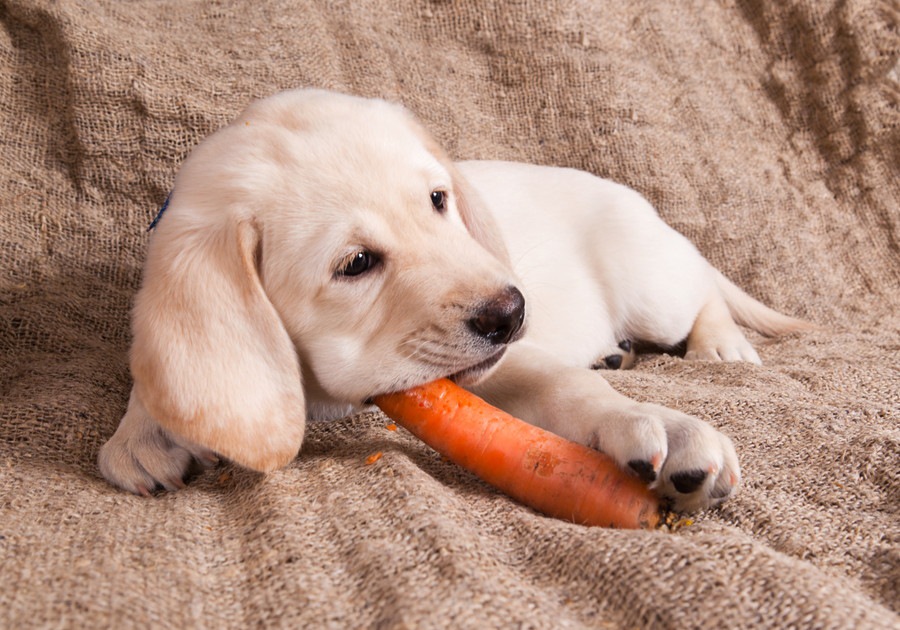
{"x":211,"y":359}
{"x":476,"y":217}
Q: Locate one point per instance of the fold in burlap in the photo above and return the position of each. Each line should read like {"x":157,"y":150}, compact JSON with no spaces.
{"x":766,"y":131}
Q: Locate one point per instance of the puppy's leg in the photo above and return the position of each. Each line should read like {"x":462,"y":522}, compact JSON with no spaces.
{"x":142,"y":456}
{"x":684,"y":458}
{"x":715,"y":337}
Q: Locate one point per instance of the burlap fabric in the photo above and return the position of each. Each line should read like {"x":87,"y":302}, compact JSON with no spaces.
{"x":766,"y":130}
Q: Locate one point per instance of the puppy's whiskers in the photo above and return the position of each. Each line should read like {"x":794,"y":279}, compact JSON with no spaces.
{"x":434,"y":352}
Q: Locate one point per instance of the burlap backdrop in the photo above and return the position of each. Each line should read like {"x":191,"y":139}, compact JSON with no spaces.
{"x":765,"y":130}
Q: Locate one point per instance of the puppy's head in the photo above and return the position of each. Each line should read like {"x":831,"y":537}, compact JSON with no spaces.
{"x":319,"y":250}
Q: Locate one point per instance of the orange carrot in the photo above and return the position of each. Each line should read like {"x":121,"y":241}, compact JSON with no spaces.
{"x":538,"y":468}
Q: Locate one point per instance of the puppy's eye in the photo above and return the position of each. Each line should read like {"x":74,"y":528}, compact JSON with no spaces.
{"x":439,"y":200}
{"x":357,"y":264}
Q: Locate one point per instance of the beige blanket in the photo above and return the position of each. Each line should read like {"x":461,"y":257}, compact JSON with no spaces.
{"x":765,"y":130}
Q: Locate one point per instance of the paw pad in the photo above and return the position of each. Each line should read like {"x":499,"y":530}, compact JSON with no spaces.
{"x":688,"y":481}
{"x":617,"y":361}
{"x":613,"y":361}
{"x":643,"y":469}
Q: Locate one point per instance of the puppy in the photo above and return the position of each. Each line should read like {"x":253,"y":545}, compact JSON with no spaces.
{"x":323,"y":249}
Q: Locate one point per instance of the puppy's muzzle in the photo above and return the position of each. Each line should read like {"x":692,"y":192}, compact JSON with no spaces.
{"x":499,"y":320}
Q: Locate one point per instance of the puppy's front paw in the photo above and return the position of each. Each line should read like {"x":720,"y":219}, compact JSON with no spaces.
{"x":702,"y":467}
{"x":683,"y":458}
{"x":142,"y":457}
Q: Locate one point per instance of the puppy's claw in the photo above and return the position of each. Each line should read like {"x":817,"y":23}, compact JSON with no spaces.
{"x":208,"y":459}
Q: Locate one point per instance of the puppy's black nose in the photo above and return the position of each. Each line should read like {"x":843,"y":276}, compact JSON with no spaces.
{"x":500,"y":318}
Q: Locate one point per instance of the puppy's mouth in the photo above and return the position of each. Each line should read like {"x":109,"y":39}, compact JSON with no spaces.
{"x":474,"y":373}
{"x":468,"y":376}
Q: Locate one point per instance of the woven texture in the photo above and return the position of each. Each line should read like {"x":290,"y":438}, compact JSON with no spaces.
{"x":767,"y":131}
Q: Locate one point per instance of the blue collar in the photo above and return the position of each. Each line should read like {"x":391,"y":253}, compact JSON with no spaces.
{"x":160,"y":212}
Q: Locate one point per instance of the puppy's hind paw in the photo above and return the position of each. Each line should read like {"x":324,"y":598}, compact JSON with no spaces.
{"x":732,"y":348}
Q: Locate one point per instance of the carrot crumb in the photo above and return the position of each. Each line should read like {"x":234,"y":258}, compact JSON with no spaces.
{"x":391,"y":427}
{"x":374,"y":457}
{"x":673,"y":522}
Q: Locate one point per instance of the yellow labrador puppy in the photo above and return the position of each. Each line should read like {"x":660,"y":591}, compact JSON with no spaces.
{"x":322,"y":249}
